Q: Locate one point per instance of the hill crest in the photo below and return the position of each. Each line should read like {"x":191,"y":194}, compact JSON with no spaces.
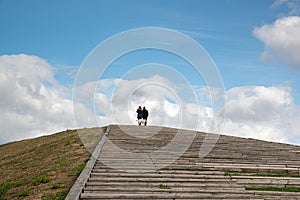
{"x":57,"y":160}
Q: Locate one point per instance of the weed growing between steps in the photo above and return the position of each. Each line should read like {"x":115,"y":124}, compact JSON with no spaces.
{"x":163,"y":186}
{"x":263,"y":175}
{"x":269,"y":188}
{"x":276,"y":189}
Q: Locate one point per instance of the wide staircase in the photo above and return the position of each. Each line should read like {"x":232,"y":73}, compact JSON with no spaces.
{"x":133,"y":162}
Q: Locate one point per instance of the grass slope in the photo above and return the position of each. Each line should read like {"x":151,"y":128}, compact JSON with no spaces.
{"x":45,"y":167}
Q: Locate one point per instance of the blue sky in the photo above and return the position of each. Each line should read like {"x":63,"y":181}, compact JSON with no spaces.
{"x":64,"y":32}
{"x":240,"y":36}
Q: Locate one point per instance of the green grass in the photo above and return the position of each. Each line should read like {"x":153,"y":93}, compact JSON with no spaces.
{"x":7,"y":185}
{"x":19,"y":183}
{"x":24,"y":193}
{"x":68,"y":142}
{"x":4,"y":187}
{"x":56,"y":158}
{"x":77,"y":170}
{"x":277,"y":189}
{"x":278,"y":175}
{"x":40,"y":179}
{"x":63,"y":164}
{"x":163,"y":186}
{"x":59,"y":185}
{"x":263,"y":175}
{"x":269,"y":188}
{"x":58,"y":196}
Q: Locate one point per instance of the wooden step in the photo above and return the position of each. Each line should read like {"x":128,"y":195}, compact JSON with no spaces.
{"x":163,"y":195}
{"x":132,"y":162}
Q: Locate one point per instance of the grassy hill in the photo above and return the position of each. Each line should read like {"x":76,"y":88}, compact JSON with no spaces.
{"x":45,"y":167}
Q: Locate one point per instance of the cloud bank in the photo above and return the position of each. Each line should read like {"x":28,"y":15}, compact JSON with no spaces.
{"x":267,"y":113}
{"x":281,"y":39}
{"x":33,"y":103}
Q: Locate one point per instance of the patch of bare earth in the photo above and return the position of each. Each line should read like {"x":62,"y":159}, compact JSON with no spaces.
{"x":45,"y":167}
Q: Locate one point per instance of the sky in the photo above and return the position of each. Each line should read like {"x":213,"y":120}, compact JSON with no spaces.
{"x":55,"y":73}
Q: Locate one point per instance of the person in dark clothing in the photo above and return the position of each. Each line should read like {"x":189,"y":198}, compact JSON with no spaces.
{"x":139,"y":115}
{"x":145,"y":115}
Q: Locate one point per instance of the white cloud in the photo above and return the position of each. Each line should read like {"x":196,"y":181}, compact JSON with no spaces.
{"x":267,"y":113}
{"x":281,"y":39}
{"x":32,"y":102}
{"x":278,"y":3}
{"x":171,"y":109}
{"x":292,"y":5}
{"x":129,"y":94}
{"x":116,"y":101}
{"x":256,"y":102}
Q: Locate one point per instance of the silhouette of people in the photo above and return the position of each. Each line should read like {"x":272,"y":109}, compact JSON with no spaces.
{"x":145,"y":115}
{"x":139,"y":115}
